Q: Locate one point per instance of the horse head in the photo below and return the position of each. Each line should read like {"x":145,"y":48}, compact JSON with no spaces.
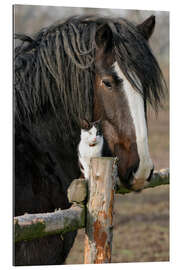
{"x":120,"y":96}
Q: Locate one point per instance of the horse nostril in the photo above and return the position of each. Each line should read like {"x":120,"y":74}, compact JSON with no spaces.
{"x":127,"y":177}
{"x":131,"y":172}
{"x":134,"y":169}
{"x":150,"y":176}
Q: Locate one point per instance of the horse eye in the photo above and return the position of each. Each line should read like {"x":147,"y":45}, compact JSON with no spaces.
{"x":107,"y":83}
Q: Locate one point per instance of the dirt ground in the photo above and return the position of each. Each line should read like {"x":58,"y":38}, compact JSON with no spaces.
{"x":141,"y":221}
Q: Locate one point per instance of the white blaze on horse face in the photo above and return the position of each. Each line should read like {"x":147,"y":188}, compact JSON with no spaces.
{"x":136,"y":107}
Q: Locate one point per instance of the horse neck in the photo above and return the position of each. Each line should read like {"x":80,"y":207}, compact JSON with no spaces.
{"x":52,"y":140}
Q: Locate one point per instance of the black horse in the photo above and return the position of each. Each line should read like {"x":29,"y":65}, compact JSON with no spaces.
{"x":84,"y":67}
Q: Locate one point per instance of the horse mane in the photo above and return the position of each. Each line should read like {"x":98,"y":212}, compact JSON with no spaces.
{"x":54,"y":70}
{"x":54,"y":73}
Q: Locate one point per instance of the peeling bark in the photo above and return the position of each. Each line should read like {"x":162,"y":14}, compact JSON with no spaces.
{"x":99,"y":219}
{"x":30,"y":226}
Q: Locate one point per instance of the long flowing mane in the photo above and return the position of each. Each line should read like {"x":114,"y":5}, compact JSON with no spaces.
{"x":54,"y":70}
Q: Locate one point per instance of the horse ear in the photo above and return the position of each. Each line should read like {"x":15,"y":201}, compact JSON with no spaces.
{"x":147,"y":27}
{"x":85,"y":124}
{"x":104,"y":37}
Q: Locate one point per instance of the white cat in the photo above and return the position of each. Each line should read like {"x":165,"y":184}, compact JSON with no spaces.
{"x":91,"y":145}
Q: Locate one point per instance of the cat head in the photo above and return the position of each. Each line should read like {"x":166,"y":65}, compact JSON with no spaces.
{"x":91,"y":132}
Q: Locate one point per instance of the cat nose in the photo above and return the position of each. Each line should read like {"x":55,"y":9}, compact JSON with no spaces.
{"x":94,"y":140}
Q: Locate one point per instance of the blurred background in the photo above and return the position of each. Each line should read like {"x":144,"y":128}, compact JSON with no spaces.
{"x":141,"y":221}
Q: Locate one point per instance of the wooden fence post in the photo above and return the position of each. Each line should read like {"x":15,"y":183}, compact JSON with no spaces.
{"x":99,"y":218}
{"x":96,"y":218}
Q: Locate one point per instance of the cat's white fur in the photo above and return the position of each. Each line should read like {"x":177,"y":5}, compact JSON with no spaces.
{"x":86,"y":152}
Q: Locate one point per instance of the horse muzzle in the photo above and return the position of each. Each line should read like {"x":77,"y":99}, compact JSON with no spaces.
{"x":130,"y":181}
{"x":139,"y":184}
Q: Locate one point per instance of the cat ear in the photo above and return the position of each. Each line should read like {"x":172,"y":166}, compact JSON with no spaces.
{"x":85,"y":124}
{"x":98,"y":121}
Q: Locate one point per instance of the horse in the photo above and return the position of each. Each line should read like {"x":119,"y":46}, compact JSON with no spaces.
{"x":82,"y":67}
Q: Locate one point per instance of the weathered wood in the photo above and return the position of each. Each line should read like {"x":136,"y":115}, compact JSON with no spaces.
{"x":77,"y":191}
{"x":159,"y":178}
{"x":99,"y":218}
{"x":30,"y":226}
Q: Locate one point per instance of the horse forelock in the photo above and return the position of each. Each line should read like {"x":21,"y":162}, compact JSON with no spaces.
{"x":54,"y":71}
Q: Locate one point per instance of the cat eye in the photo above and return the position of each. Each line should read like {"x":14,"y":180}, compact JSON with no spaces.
{"x":107,"y":83}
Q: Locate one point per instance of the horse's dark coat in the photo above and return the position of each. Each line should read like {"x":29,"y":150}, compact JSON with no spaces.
{"x":53,"y":90}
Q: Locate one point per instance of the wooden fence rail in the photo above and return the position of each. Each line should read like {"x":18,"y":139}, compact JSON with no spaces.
{"x":158,"y":178}
{"x":92,"y":209}
{"x":31,"y":226}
